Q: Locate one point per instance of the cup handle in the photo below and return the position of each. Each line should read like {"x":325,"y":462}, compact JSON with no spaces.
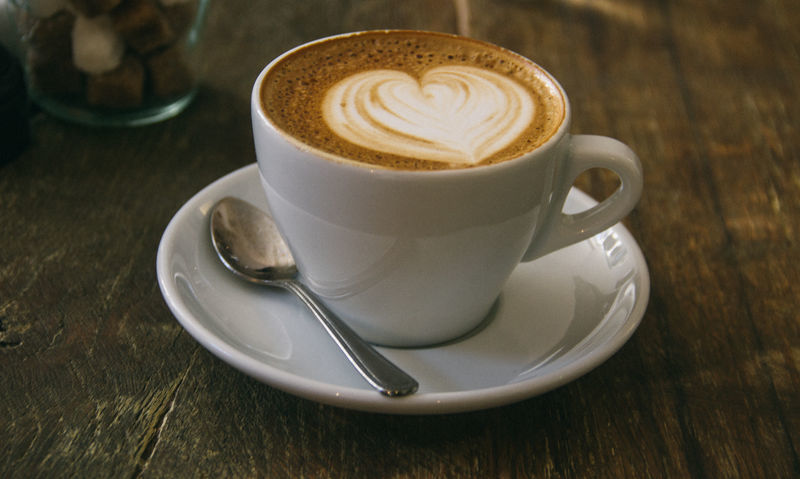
{"x":586,"y":152}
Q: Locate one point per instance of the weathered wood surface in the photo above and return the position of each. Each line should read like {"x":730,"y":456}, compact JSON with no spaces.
{"x":97,"y":379}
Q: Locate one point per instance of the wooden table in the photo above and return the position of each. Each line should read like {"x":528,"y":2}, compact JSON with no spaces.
{"x":99,"y":379}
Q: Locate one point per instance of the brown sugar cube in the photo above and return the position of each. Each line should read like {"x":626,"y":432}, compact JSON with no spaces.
{"x":51,"y":36}
{"x":143,"y":25}
{"x":91,"y":8}
{"x":169,"y":73}
{"x":122,"y":87}
{"x":49,"y":56}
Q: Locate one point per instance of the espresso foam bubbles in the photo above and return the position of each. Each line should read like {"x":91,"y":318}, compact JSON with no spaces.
{"x":412,"y":100}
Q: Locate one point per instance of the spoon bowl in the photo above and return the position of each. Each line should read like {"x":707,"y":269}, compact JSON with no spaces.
{"x":249,"y":244}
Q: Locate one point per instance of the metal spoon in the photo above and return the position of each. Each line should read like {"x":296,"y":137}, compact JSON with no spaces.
{"x":248,"y":243}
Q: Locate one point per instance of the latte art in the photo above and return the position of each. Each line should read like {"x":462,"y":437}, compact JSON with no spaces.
{"x":453,"y":114}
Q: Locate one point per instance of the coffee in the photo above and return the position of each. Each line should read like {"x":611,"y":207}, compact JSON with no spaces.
{"x":412,"y":100}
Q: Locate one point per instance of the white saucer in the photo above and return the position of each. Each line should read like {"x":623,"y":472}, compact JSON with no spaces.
{"x":558,"y":317}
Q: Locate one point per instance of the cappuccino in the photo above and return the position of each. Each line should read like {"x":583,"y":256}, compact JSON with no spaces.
{"x":412,"y":100}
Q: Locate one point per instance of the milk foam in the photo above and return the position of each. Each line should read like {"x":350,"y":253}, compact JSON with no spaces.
{"x":455,"y":114}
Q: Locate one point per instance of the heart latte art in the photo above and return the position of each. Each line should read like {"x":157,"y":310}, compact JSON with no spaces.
{"x":454,"y":114}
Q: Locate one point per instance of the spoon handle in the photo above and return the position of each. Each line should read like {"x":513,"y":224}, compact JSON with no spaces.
{"x":376,"y":369}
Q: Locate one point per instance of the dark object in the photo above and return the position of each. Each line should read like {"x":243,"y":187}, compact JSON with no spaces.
{"x":14,"y":128}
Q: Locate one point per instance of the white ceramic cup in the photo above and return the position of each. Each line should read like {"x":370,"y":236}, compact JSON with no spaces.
{"x":414,"y":258}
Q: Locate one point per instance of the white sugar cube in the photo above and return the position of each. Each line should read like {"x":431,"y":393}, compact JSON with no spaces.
{"x":96,"y":46}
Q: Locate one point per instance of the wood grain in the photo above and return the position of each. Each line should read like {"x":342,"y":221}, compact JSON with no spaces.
{"x":99,"y":380}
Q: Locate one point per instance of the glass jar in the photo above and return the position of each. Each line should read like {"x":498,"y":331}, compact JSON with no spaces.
{"x":111,"y":62}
